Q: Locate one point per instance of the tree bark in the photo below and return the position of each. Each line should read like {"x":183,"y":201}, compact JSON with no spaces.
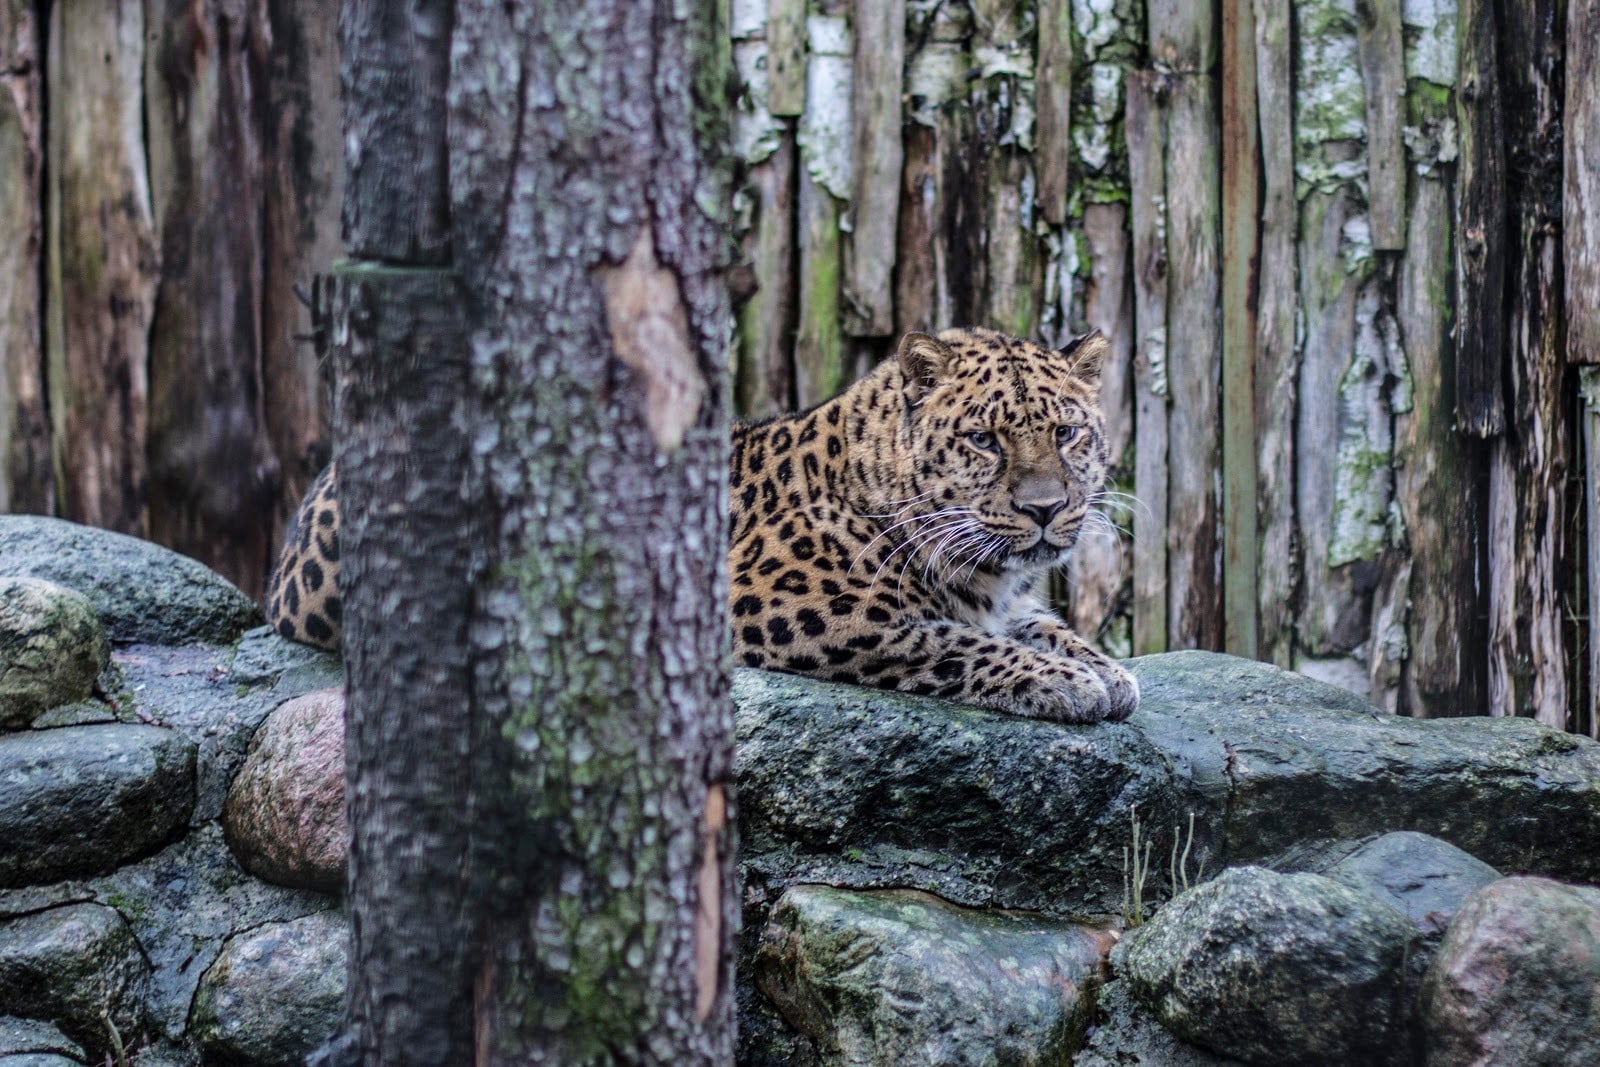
{"x":540,"y":736}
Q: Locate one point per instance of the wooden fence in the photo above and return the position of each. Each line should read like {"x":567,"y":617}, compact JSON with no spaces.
{"x":1347,"y":252}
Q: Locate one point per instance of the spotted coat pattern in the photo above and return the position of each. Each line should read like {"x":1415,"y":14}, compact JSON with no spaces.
{"x":893,"y":536}
{"x":889,"y":537}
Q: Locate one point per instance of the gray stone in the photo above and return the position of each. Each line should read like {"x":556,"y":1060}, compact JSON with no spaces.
{"x":1423,"y":878}
{"x":38,"y":1059}
{"x":1517,"y":980}
{"x":52,"y":647}
{"x":142,"y":592}
{"x":899,"y":977}
{"x":1127,"y":1036}
{"x":83,"y":799}
{"x":275,"y":993}
{"x":285,"y":811}
{"x":860,"y":787}
{"x":265,"y":657}
{"x":18,"y":1036}
{"x":77,"y":966}
{"x":1274,"y":968}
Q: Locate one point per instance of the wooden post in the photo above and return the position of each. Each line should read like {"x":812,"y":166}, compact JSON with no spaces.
{"x":1277,"y":366}
{"x":786,"y":57}
{"x":25,"y":481}
{"x":1147,"y":131}
{"x":1480,"y":226}
{"x":1383,"y":71}
{"x":1241,"y":180}
{"x":825,"y":139}
{"x":869,"y":248}
{"x":1052,"y":151}
{"x":1589,"y":390}
{"x":1581,"y":202}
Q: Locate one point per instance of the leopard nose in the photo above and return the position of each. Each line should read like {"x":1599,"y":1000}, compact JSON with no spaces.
{"x":1040,"y":511}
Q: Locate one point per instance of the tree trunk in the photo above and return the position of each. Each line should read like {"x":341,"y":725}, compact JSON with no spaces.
{"x":539,"y":744}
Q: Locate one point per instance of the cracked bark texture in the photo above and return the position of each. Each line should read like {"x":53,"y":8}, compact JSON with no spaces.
{"x":531,"y":358}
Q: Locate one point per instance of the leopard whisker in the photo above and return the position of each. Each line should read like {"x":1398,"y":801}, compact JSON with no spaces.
{"x":903,"y":522}
{"x":917,"y":537}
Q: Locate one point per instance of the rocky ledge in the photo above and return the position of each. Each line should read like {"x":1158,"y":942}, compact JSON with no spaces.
{"x":1287,"y":874}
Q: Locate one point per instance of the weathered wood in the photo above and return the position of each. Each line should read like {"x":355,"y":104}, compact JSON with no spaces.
{"x":877,"y":153}
{"x":786,"y":57}
{"x":303,"y":190}
{"x":1383,"y":72}
{"x":1277,"y":365}
{"x":1102,"y":563}
{"x":101,"y":263}
{"x":1581,"y":204}
{"x":1589,"y":391}
{"x":1194,"y":357}
{"x":26,"y":484}
{"x":1147,"y":132}
{"x":1241,"y":241}
{"x":1528,"y":510}
{"x":767,"y":320}
{"x":1480,"y":226}
{"x":1182,"y":35}
{"x":1052,"y":150}
{"x":1011,"y":268}
{"x":825,"y":177}
{"x":213,"y":473}
{"x":400,"y":212}
{"x":1436,"y":491}
{"x":1007,"y":278}
{"x":938,"y":132}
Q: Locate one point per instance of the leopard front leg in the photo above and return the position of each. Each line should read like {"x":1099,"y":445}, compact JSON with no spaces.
{"x":1042,"y":630}
{"x":970,"y":665}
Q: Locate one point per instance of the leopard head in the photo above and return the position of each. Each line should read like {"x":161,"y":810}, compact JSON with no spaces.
{"x":1003,"y":439}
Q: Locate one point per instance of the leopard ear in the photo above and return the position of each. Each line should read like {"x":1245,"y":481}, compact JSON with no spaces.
{"x":1085,"y":355}
{"x":924,"y":359}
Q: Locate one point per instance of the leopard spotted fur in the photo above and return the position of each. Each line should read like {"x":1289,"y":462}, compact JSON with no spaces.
{"x":891,"y":537}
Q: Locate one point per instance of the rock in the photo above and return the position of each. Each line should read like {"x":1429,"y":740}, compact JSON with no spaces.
{"x":1127,"y":1036}
{"x":83,"y":799}
{"x":142,"y":592}
{"x":52,"y":648}
{"x":1421,"y":877}
{"x":899,"y":977}
{"x":1276,"y":968}
{"x":859,"y":787}
{"x":275,"y":993}
{"x":36,"y":1037}
{"x":38,"y":1059}
{"x":1517,"y":979}
{"x":265,"y":656}
{"x":285,"y":812}
{"x":76,"y":966}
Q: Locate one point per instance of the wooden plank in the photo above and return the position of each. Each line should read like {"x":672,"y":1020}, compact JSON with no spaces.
{"x":1012,"y":277}
{"x":1052,"y":148}
{"x":786,"y":57}
{"x":1194,"y":358}
{"x":937,"y":132}
{"x":1436,"y":493}
{"x":1146,"y":130}
{"x":1241,"y":212}
{"x":26,"y":484}
{"x":1528,"y":505}
{"x":767,"y":320}
{"x":1183,"y":35}
{"x":1383,"y":72}
{"x":1277,"y":366}
{"x":1102,"y":563}
{"x":1480,"y":226}
{"x":869,"y":249}
{"x":1581,"y":204}
{"x":303,"y":179}
{"x":213,"y":473}
{"x":819,"y":357}
{"x":101,"y":263}
{"x":1589,"y":390}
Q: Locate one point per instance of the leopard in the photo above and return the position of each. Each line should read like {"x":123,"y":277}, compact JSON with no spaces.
{"x":895,"y":536}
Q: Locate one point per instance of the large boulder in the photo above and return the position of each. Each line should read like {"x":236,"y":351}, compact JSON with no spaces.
{"x":78,"y":966}
{"x":860,"y":787}
{"x":275,"y":993}
{"x":1275,"y":968}
{"x":35,"y":1037}
{"x":1517,"y":979}
{"x":899,"y":977}
{"x":1128,"y":1036}
{"x":142,"y":592}
{"x":285,"y":811}
{"x":83,"y":799}
{"x":52,"y":647}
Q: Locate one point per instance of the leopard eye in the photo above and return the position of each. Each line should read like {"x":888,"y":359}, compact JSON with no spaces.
{"x":1065,"y":435}
{"x":982,"y":439}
